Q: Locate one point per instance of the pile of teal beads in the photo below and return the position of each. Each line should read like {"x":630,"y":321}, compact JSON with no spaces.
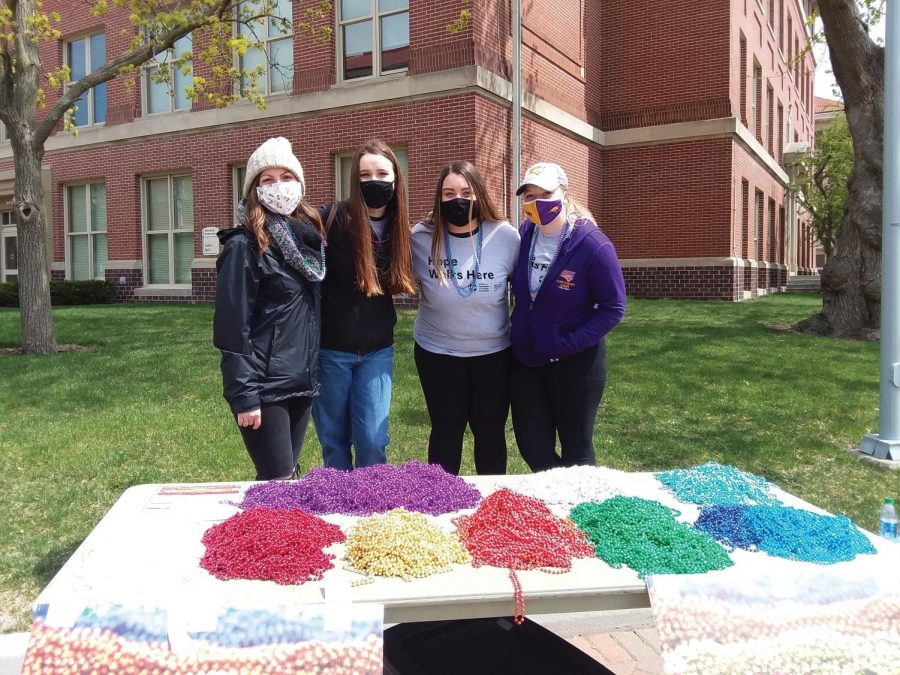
{"x":645,"y":536}
{"x":714,"y":483}
{"x":786,"y":532}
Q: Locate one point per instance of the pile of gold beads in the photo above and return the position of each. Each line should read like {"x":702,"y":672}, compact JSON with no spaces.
{"x":403,"y":544}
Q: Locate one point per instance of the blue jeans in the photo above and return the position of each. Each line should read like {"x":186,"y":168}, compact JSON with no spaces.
{"x":352,"y":406}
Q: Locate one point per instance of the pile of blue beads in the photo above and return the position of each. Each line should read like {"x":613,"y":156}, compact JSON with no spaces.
{"x":716,"y":484}
{"x":785,"y":532}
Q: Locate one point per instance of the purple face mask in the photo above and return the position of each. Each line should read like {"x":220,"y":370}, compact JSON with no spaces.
{"x":542,"y":211}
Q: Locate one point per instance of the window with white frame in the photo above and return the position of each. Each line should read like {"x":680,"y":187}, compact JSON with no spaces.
{"x":238,"y":173}
{"x":9,"y":242}
{"x":273,"y":60}
{"x":344,"y":166}
{"x":4,"y":134}
{"x":84,"y":56}
{"x":86,"y":241}
{"x":373,"y":37}
{"x":168,"y":230}
{"x":169,"y":95}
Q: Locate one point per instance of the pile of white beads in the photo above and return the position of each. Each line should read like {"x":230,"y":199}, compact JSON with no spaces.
{"x":567,"y":487}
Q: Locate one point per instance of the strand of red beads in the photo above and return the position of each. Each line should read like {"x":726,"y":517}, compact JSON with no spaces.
{"x":517,"y":532}
{"x":281,"y":545}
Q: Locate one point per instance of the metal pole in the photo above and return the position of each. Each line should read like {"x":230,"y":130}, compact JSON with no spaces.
{"x":516,"y":108}
{"x":886,"y":444}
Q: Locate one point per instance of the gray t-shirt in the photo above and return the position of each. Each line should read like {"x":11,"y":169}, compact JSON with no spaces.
{"x":544,"y":248}
{"x":449,"y":323}
{"x":378,"y":225}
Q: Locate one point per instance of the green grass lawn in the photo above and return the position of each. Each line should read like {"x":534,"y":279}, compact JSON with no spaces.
{"x":688,"y":382}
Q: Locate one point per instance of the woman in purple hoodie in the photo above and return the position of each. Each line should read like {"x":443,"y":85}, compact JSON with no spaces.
{"x":569,"y":293}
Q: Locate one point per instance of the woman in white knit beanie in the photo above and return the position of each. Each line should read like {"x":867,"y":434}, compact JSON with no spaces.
{"x":267,"y":313}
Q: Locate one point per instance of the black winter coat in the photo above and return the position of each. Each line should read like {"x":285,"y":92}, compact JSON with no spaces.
{"x":351,"y":321}
{"x":266,"y":324}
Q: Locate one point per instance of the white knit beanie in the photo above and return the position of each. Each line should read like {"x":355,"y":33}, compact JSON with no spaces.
{"x":275,"y":153}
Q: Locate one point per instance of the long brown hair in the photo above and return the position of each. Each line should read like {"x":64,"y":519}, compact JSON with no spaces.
{"x":486,"y":207}
{"x":255,"y":216}
{"x":399,"y":277}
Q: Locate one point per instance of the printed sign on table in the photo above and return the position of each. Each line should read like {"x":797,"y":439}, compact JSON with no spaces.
{"x":140,"y":638}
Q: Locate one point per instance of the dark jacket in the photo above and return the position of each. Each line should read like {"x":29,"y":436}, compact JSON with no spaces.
{"x":581,"y":300}
{"x":352,"y":322}
{"x":266,"y":324}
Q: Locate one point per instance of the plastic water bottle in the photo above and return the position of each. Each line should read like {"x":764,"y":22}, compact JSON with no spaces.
{"x":889,"y":520}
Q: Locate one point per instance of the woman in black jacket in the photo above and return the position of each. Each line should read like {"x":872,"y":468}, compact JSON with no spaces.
{"x":267,"y":310}
{"x":368,"y":261}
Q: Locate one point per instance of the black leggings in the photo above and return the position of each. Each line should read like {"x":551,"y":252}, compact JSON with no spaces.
{"x":462,"y":390}
{"x":560,"y":397}
{"x":275,"y":446}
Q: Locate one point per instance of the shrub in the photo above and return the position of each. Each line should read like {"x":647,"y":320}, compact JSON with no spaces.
{"x":64,"y":293}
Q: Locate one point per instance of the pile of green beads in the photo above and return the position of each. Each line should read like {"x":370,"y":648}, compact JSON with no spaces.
{"x":645,"y":536}
{"x":714,"y":483}
{"x":786,"y":532}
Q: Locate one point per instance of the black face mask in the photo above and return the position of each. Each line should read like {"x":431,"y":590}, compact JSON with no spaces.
{"x":456,"y":211}
{"x":377,"y":193}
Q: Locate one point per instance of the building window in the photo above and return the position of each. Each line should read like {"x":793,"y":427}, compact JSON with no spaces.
{"x":757,"y":225}
{"x":790,"y":44}
{"x":373,"y":37}
{"x":86,"y":242}
{"x":168,"y":230}
{"x":745,"y":208}
{"x":779,"y":148}
{"x":269,"y":65}
{"x":770,"y":232}
{"x":83,"y":57}
{"x":344,"y":165}
{"x":743,"y":67}
{"x":4,"y":134}
{"x":238,"y":173}
{"x":10,"y":244}
{"x":781,"y":26}
{"x":755,"y":95}
{"x":169,"y":96}
{"x":769,"y":135}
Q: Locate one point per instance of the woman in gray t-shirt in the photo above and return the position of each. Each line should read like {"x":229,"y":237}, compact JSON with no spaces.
{"x":463,"y":256}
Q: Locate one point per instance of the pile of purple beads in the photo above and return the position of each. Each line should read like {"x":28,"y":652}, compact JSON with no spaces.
{"x":426,"y":488}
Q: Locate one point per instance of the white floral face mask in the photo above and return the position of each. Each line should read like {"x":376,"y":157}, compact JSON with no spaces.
{"x":281,"y":197}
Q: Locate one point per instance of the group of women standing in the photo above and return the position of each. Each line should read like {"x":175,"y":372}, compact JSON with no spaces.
{"x":305,"y":317}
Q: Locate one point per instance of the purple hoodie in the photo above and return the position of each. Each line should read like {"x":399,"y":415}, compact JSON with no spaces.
{"x":581,"y":300}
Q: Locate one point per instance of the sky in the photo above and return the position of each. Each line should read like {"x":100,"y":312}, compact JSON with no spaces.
{"x":825,"y":84}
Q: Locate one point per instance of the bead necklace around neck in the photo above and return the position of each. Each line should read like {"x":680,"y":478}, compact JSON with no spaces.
{"x":563,"y":233}
{"x":472,"y":286}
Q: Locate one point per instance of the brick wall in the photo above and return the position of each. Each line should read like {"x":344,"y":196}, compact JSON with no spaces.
{"x":766,"y":39}
{"x":662,"y":62}
{"x":668,"y":201}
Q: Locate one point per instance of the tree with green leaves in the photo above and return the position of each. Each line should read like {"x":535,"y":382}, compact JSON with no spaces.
{"x":851,"y":279}
{"x":821,"y":184}
{"x":222,"y":30}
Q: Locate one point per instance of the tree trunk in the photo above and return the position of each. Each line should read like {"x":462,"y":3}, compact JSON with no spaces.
{"x":851,"y":279}
{"x":19,"y":93}
{"x":38,"y":335}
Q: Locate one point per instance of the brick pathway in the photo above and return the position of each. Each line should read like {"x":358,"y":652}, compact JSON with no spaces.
{"x":633,"y":652}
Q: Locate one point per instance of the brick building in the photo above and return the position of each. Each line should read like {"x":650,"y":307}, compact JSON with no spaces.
{"x":671,"y":118}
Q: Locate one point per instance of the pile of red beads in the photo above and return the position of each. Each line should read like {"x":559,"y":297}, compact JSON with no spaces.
{"x":282,"y":545}
{"x":414,"y":486}
{"x":520,"y":533}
